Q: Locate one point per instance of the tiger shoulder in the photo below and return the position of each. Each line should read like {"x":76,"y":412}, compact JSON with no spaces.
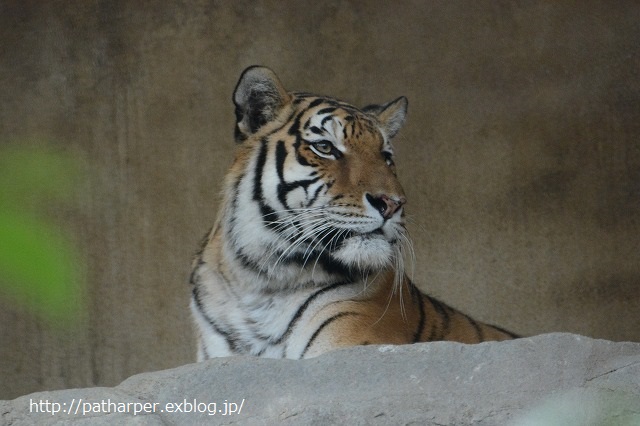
{"x":307,"y":253}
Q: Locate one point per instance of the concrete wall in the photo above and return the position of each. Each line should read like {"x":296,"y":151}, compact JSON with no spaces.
{"x":520,"y":157}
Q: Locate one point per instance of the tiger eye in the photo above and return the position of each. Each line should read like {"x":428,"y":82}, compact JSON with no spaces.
{"x":323,"y":147}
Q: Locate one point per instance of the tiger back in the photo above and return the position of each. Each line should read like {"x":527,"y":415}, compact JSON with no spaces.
{"x":307,"y":253}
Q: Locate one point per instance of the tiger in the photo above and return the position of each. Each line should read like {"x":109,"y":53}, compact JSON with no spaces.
{"x":307,"y":253}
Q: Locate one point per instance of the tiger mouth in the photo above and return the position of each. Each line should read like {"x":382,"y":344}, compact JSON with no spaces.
{"x":375,"y":234}
{"x":336,"y":239}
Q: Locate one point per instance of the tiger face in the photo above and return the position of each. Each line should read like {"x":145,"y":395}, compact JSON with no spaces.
{"x":314,"y":181}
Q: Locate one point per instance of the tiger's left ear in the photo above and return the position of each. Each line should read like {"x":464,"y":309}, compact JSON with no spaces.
{"x":258,"y":97}
{"x":390,"y":115}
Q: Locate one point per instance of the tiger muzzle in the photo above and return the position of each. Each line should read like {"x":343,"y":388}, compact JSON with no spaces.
{"x":387,"y":206}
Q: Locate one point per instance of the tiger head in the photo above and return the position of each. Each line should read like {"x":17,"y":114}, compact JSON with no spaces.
{"x":314,"y":183}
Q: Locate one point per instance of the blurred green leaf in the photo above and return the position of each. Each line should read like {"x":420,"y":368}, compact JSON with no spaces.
{"x":39,"y":266}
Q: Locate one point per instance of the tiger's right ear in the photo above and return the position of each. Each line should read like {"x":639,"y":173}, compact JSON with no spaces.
{"x":258,"y":97}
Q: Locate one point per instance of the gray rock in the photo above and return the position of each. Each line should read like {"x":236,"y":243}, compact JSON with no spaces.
{"x":553,"y":379}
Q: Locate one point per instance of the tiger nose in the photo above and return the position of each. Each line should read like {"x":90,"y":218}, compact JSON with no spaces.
{"x":385,"y":205}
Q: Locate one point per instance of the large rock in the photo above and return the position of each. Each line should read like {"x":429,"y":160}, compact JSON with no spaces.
{"x":551,"y":379}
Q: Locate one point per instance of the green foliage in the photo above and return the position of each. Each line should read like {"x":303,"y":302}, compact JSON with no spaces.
{"x":39,"y":266}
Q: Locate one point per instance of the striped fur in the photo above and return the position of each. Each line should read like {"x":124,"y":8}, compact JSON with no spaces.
{"x":307,"y":252}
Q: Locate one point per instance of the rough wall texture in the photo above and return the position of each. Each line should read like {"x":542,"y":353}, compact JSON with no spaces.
{"x":550,"y":380}
{"x":521,"y":155}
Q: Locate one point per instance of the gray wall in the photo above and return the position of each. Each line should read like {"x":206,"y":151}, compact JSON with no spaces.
{"x":520,"y":157}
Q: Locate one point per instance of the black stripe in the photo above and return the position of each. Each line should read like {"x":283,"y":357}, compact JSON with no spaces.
{"x":269,"y":215}
{"x":476,"y":326}
{"x":316,"y":102}
{"x":281,"y":156}
{"x":296,"y":145}
{"x":245,"y":260}
{"x":193,"y":278}
{"x":233,"y":208}
{"x":322,"y":326}
{"x":204,"y":351}
{"x":285,"y":187}
{"x":507,"y":332}
{"x":231,"y":341}
{"x":257,"y":179}
{"x":324,"y":260}
{"x":327,"y":110}
{"x":203,"y":243}
{"x":295,"y":126}
{"x":319,"y":257}
{"x":315,"y":196}
{"x":441,"y":309}
{"x":417,"y":298}
{"x":327,"y":118}
{"x":316,"y":130}
{"x":300,"y":97}
{"x":198,"y":257}
{"x":296,"y":317}
{"x":203,"y":348}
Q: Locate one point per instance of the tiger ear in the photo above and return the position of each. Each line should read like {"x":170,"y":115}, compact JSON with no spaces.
{"x":258,"y":97}
{"x":390,"y":115}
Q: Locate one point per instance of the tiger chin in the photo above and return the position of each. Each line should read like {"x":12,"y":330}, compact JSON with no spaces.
{"x":307,"y":253}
